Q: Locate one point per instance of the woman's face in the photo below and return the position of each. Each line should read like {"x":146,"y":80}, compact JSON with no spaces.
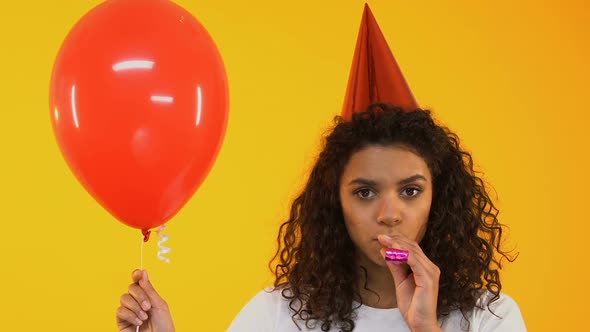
{"x":384,"y":190}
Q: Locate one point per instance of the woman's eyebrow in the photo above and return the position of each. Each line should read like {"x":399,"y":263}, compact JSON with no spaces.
{"x":363,"y":181}
{"x":367,"y":182}
{"x":411,"y":179}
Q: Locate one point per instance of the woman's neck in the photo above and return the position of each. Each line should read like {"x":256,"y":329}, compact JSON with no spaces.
{"x":376,"y":286}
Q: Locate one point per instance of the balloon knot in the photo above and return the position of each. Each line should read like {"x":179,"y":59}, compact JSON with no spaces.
{"x":146,"y":234}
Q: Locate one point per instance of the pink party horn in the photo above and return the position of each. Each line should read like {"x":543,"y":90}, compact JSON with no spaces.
{"x":396,"y":256}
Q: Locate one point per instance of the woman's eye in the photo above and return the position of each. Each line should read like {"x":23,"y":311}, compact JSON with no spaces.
{"x":365,"y":193}
{"x":410,"y":192}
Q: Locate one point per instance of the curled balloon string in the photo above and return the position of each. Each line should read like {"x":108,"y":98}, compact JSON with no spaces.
{"x":163,"y":249}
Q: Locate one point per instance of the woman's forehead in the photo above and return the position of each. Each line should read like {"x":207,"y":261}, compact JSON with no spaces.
{"x":386,"y":161}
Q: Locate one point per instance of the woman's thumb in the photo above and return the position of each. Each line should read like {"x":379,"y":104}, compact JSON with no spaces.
{"x":146,"y":285}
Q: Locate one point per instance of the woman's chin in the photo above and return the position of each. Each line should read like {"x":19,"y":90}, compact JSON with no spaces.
{"x":379,"y":261}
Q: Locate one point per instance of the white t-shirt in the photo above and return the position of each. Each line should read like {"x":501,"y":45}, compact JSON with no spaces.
{"x":268,"y":311}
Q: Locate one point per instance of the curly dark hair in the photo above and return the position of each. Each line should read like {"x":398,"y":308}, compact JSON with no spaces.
{"x":314,"y":264}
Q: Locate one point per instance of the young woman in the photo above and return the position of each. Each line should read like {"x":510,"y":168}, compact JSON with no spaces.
{"x":386,"y":179}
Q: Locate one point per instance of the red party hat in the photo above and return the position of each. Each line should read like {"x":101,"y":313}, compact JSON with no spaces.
{"x":374,"y":74}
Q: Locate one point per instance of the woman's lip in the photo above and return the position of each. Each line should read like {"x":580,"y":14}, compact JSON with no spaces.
{"x":384,"y":235}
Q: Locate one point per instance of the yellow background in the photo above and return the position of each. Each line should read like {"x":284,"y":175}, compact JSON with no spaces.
{"x":511,"y":77}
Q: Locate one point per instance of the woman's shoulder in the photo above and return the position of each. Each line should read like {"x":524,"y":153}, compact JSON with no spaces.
{"x":492,"y":313}
{"x":269,"y":296}
{"x":502,"y":303}
{"x":261,"y":312}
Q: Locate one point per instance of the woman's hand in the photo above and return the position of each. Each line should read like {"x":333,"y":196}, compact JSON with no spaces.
{"x":143,"y":307}
{"x":416,"y":291}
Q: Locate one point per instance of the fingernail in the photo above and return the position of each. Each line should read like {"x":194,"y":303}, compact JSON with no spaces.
{"x":145,"y":305}
{"x":396,"y":256}
{"x":138,"y":321}
{"x":143,"y":315}
{"x":145,"y":275}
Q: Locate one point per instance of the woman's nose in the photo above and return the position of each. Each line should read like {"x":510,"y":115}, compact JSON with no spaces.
{"x":389,"y":211}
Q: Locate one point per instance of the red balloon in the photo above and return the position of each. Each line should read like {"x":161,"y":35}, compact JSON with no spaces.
{"x":139,"y":106}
